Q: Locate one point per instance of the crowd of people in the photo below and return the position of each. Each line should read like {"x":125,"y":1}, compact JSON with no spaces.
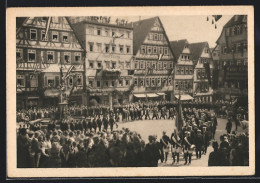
{"x":89,"y":137}
{"x":132,"y":111}
{"x":88,"y":142}
{"x":233,"y":150}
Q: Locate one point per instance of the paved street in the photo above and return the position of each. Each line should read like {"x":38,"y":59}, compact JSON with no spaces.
{"x":155,"y":127}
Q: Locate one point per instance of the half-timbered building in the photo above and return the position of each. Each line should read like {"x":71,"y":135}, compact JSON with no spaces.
{"x":203,"y":71}
{"x":46,"y":48}
{"x":154,"y":61}
{"x":184,"y":69}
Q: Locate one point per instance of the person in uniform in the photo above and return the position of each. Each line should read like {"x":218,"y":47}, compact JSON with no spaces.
{"x":187,"y":145}
{"x":199,"y":143}
{"x":206,"y":139}
{"x":111,"y":122}
{"x":165,"y":143}
{"x":175,"y":146}
{"x":147,"y":113}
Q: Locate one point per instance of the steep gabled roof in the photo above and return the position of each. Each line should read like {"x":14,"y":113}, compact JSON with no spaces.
{"x":178,"y":46}
{"x":19,"y":23}
{"x":235,"y":20}
{"x":141,"y":29}
{"x":196,"y":49}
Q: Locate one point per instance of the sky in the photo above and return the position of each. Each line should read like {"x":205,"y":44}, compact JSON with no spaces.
{"x":193,"y":28}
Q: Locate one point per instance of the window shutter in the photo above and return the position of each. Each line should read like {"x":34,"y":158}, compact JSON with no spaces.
{"x":45,"y":81}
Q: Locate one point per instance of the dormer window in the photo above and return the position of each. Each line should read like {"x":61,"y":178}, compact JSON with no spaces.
{"x":186,"y":46}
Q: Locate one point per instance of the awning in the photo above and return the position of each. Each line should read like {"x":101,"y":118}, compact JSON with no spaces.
{"x":51,"y":93}
{"x":140,"y":95}
{"x":160,"y":93}
{"x":152,"y":95}
{"x":184,"y":97}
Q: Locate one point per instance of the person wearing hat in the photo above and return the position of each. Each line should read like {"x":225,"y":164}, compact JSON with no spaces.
{"x":199,"y":143}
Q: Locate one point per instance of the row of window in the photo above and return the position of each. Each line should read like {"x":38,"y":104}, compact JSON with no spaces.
{"x":160,"y":65}
{"x":109,"y":48}
{"x":201,"y":74}
{"x":202,"y":87}
{"x":152,"y":82}
{"x":235,"y":47}
{"x":236,"y":30}
{"x":233,"y":62}
{"x":108,"y":83}
{"x":21,"y":81}
{"x":49,"y":58}
{"x":109,"y":64}
{"x":183,"y":85}
{"x":185,"y":70}
{"x":154,"y":50}
{"x":99,"y":31}
{"x":49,"y":81}
{"x":54,"y":81}
{"x":156,"y":37}
{"x":185,"y":57}
{"x":236,"y":84}
{"x":55,"y":36}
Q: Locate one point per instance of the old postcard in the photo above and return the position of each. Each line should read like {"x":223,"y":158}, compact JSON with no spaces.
{"x":130,"y":91}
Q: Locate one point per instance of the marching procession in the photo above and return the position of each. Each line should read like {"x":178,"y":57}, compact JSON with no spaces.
{"x":90,"y":137}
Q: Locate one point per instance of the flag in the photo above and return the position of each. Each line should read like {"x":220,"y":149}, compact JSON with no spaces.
{"x":207,"y":69}
{"x":68,"y":72}
{"x":159,"y":57}
{"x":179,"y":118}
{"x":47,"y":27}
{"x":217,"y":17}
